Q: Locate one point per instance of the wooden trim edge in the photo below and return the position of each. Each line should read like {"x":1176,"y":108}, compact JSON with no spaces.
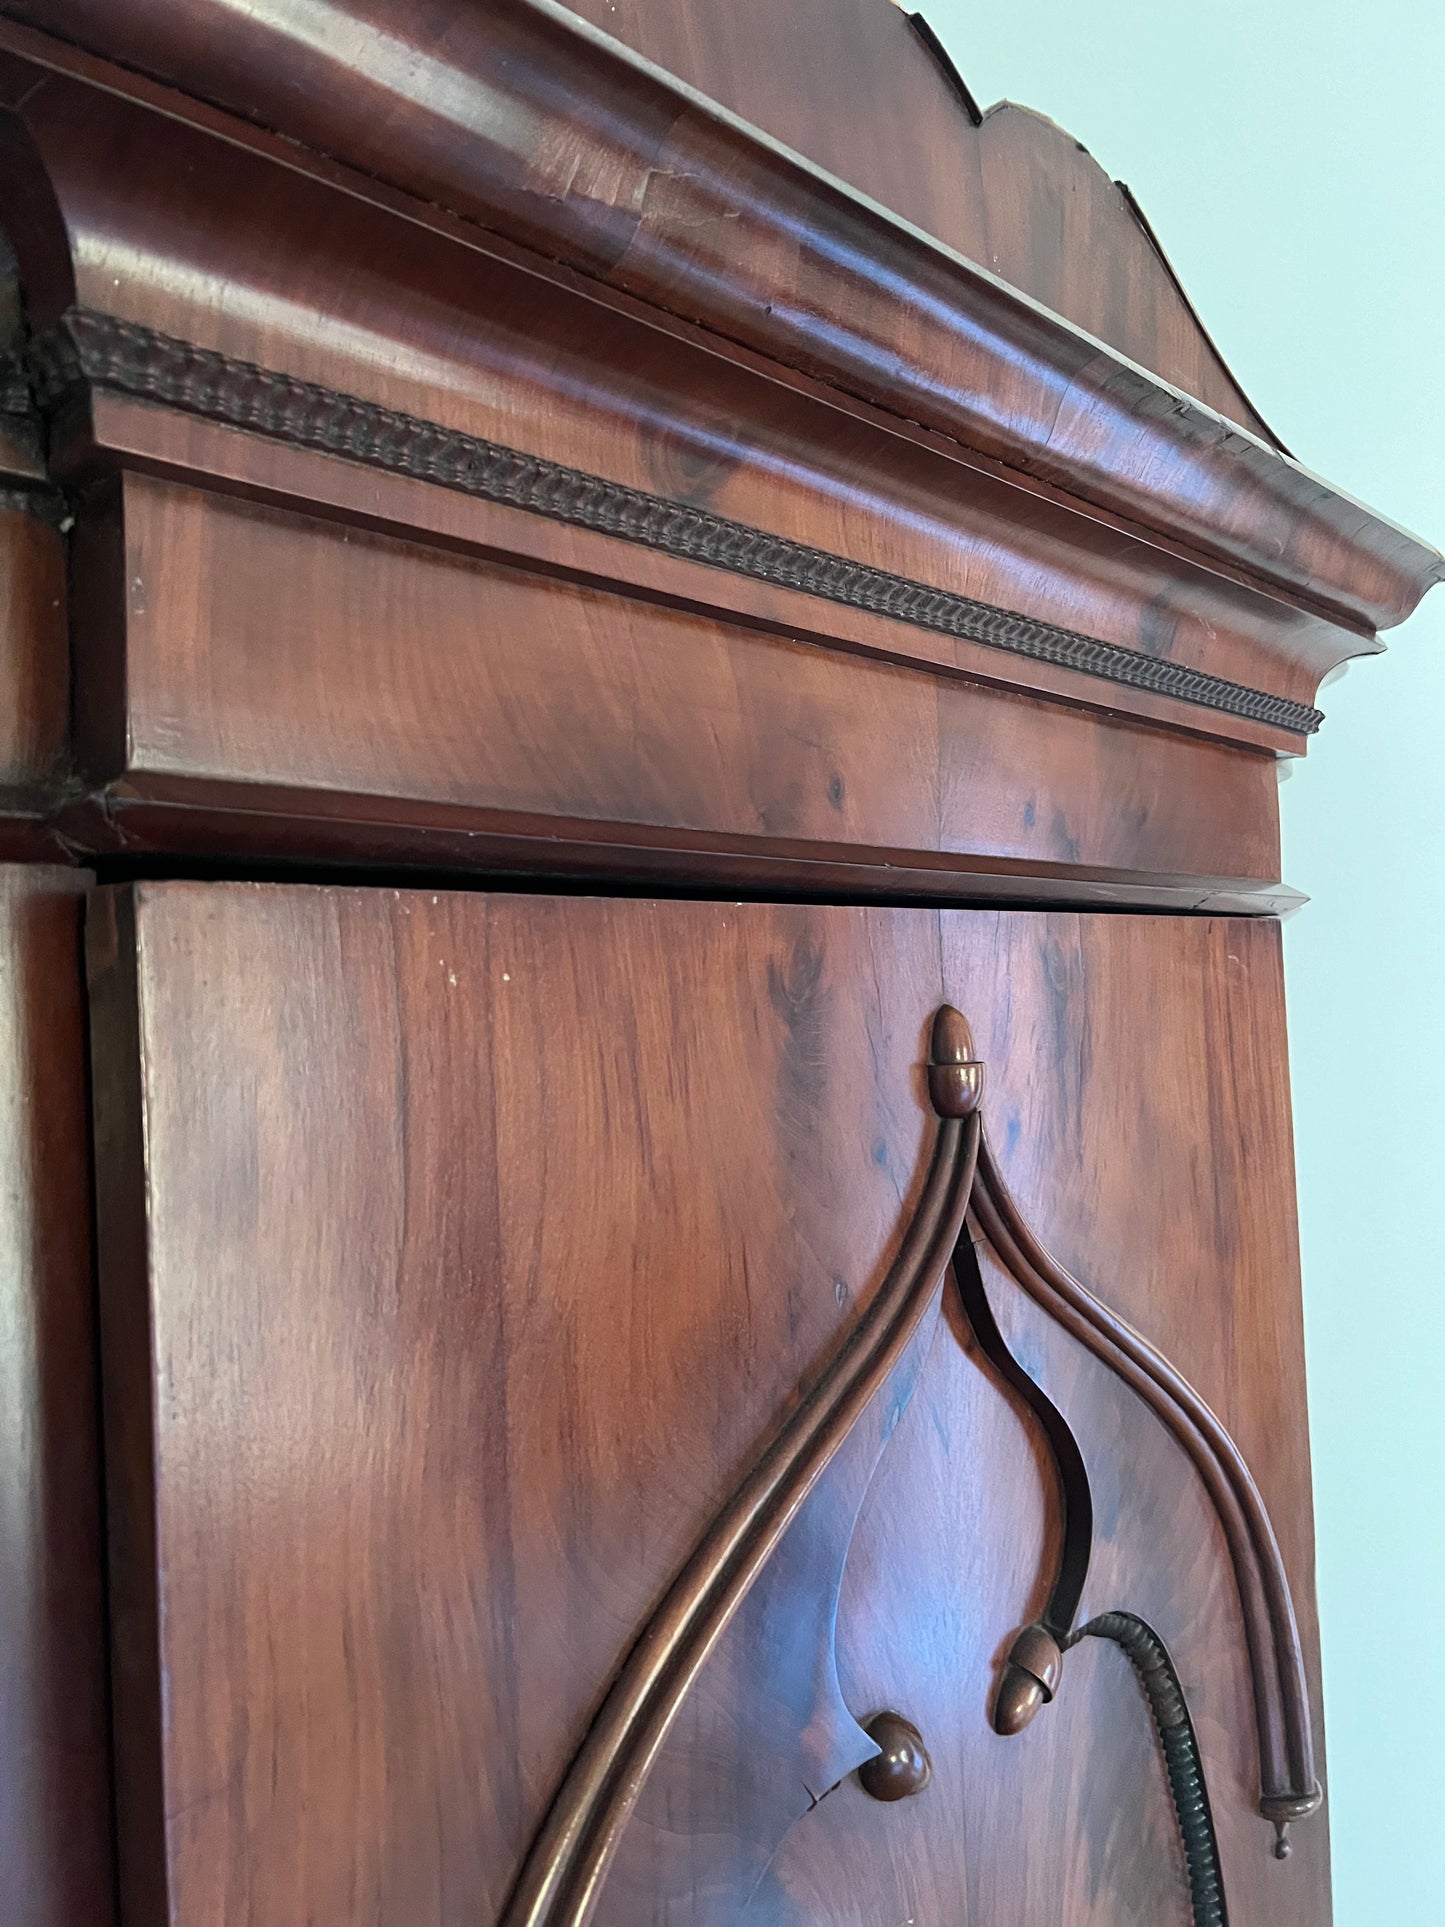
{"x":92,"y":350}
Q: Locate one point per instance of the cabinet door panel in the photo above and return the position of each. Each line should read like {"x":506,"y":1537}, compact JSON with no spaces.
{"x":460,"y":1255}
{"x":1137,"y":1101}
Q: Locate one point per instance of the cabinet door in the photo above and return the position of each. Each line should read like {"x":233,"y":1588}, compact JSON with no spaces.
{"x":461,"y":1257}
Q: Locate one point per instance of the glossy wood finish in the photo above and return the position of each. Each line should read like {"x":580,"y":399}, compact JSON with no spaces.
{"x":1172,"y":1208}
{"x":264,"y":252}
{"x":567,"y":1867}
{"x":625,"y":732}
{"x":574,"y":1258}
{"x":144,"y":210}
{"x":97,"y":362}
{"x":604,"y":163}
{"x":482,"y":1271}
{"x":34,"y":670}
{"x":609,"y":413}
{"x":1139,"y":1149}
{"x":1006,"y":187}
{"x":1288,"y":1786}
{"x":447,"y":440}
{"x":55,"y":1848}
{"x":35,"y":749}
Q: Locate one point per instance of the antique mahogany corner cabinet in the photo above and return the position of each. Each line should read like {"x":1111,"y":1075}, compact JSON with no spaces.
{"x":648,"y":1266}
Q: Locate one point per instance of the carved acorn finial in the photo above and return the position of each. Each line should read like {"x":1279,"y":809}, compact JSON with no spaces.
{"x":1282,"y":1809}
{"x":952,"y":1039}
{"x":955,"y":1076}
{"x":1019,"y":1697}
{"x":1031,"y":1678}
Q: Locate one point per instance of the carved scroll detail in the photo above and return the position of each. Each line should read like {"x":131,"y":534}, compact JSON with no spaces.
{"x":560,"y":1883}
{"x":1289,"y":1789}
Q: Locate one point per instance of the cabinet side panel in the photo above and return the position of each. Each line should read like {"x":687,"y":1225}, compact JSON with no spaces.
{"x":55,"y":1836}
{"x":122,"y":1191}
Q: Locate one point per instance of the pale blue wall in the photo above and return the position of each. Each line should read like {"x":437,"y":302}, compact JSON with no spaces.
{"x":1291,"y":156}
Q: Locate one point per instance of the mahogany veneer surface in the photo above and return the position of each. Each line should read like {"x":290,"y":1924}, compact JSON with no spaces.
{"x":1010,"y":190}
{"x":459,"y":1253}
{"x":359,"y":679}
{"x":34,"y":665}
{"x":456,"y":298}
{"x":435,"y":438}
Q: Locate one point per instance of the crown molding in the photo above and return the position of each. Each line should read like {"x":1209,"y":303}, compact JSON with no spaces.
{"x":196,"y":269}
{"x":524,"y":119}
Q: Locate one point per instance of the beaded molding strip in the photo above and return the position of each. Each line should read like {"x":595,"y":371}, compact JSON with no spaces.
{"x":90,"y":349}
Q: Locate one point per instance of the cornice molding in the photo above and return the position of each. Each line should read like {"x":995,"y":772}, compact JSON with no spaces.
{"x":578,"y":148}
{"x":88,"y":350}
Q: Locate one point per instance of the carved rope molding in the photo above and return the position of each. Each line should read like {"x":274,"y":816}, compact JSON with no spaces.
{"x":1289,"y":1788}
{"x":89,"y":349}
{"x":561,"y":1880}
{"x":561,"y":139}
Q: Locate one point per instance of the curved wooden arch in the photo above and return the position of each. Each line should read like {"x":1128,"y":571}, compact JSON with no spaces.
{"x":1033,"y":1674}
{"x":561,"y":1881}
{"x":1289,"y":1787}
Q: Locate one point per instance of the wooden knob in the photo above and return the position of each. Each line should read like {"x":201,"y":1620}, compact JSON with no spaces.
{"x":903,"y":1767}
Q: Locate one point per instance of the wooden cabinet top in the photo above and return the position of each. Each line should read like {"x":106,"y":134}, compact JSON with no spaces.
{"x":741,"y":312}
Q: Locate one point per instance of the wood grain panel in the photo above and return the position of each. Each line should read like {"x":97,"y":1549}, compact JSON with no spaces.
{"x":1139,"y":1103}
{"x":483,"y":1241}
{"x":55,"y":1837}
{"x":471,"y":1374}
{"x":34,"y":660}
{"x":359,"y":678}
{"x":744,"y":461}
